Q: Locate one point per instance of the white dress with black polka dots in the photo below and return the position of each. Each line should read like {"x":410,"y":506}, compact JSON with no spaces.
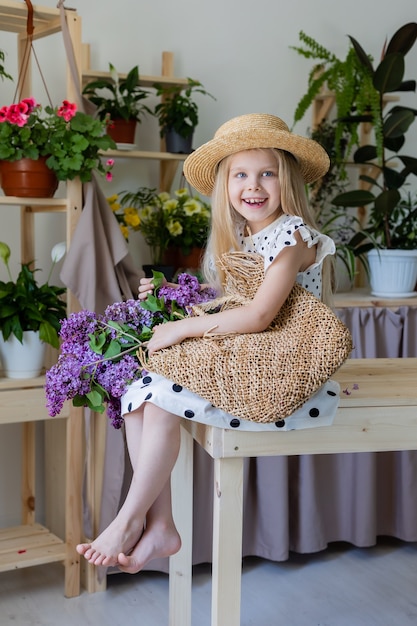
{"x":319,"y":410}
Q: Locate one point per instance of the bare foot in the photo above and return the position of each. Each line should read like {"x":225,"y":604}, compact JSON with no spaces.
{"x":157,"y":541}
{"x":114,"y":539}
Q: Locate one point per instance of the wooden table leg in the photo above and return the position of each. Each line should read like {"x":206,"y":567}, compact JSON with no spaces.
{"x":180,"y":564}
{"x":227,"y":541}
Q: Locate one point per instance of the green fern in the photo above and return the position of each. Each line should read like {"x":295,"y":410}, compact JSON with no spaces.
{"x":352,"y":86}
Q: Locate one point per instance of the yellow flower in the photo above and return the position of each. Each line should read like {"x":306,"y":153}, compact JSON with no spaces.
{"x":131,"y":218}
{"x":164,"y":196}
{"x":113,"y":202}
{"x":170,"y":205}
{"x":125,"y":231}
{"x":191,"y":207}
{"x":145,"y":213}
{"x":174,"y":228}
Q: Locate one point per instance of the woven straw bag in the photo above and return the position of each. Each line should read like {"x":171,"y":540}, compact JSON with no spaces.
{"x":265,"y":376}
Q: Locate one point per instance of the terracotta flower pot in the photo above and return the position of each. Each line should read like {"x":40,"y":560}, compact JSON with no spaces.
{"x":28,"y":178}
{"x":191,"y":260}
{"x":122,"y":131}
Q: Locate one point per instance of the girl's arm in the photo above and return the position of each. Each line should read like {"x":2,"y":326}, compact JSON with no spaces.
{"x":251,"y":318}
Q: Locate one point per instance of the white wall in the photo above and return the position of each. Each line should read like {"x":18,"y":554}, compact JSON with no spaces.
{"x":238,"y":49}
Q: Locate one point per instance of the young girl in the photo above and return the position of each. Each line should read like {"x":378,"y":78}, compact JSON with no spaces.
{"x":255,"y":171}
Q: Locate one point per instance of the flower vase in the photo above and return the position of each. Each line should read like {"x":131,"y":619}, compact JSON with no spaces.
{"x":122,"y":131}
{"x":22,"y":360}
{"x":28,"y":178}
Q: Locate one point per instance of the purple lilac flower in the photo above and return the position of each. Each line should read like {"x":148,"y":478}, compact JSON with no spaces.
{"x":80,"y":369}
{"x":63,"y":382}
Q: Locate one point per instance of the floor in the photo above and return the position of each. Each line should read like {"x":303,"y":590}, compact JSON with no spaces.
{"x":341,"y":586}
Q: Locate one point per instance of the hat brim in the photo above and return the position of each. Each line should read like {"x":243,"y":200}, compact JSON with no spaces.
{"x":201,"y":165}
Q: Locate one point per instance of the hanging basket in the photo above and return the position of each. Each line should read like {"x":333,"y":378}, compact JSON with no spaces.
{"x":122,"y":131}
{"x":28,"y":178}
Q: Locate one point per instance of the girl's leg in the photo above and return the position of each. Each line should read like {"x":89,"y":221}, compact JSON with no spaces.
{"x":160,"y":538}
{"x":159,"y":434}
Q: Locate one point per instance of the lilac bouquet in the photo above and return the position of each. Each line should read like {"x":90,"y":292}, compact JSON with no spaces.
{"x":98,"y":355}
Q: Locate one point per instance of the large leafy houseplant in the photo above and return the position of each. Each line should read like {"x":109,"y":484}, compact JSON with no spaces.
{"x":180,"y":221}
{"x":71,"y":140}
{"x":392,"y":219}
{"x":177,"y":110}
{"x":350,"y":239}
{"x":25,"y":305}
{"x":118,"y":98}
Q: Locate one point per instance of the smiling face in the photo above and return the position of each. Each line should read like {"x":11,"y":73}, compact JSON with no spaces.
{"x":253,"y":186}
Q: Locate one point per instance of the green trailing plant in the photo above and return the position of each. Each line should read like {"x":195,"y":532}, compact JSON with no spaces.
{"x":118,"y":98}
{"x":3,"y":73}
{"x":177,"y":110}
{"x":24,"y":305}
{"x":350,"y":82}
{"x":392,"y":214}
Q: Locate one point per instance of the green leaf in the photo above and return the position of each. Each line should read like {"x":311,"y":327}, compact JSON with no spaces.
{"x":356,"y":198}
{"x":365,"y":154}
{"x":403,"y":40}
{"x":389,"y":73}
{"x":113,"y":350}
{"x":48,"y":334}
{"x":397,"y":122}
{"x":362,"y":56}
{"x":386,"y":201}
{"x":4,"y":252}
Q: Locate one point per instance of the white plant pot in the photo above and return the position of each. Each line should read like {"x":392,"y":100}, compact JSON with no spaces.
{"x":393,"y":273}
{"x":22,"y":360}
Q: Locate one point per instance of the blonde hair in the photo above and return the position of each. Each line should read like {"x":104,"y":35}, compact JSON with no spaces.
{"x":225,"y":223}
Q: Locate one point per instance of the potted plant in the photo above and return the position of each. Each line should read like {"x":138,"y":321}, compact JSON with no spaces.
{"x":392,"y":221}
{"x":346,"y":231}
{"x":172,"y":226}
{"x":348,"y":81}
{"x":177,"y":114}
{"x":65,"y":142}
{"x":121,"y":101}
{"x":30,"y":315}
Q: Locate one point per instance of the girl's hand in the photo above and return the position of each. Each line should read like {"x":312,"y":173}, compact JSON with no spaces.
{"x":146,"y":286}
{"x":165,"y":335}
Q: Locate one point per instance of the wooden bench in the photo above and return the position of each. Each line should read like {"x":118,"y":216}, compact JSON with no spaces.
{"x":378,"y":413}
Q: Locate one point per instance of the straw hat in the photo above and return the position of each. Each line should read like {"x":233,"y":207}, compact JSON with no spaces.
{"x":255,"y":130}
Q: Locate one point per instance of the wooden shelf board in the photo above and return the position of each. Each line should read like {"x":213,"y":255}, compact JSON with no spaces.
{"x":141,"y":154}
{"x":145,"y":81}
{"x":362,"y":298}
{"x":25,"y":546}
{"x":13,"y":18}
{"x":38,"y":204}
{"x":24,"y":400}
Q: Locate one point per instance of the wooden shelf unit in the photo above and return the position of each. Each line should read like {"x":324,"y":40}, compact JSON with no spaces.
{"x":168,"y":161}
{"x":23,"y":401}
